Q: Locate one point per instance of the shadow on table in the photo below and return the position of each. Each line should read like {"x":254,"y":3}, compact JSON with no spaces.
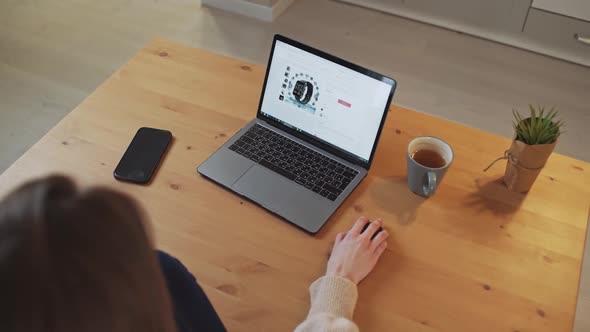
{"x":494,"y":197}
{"x":393,"y":196}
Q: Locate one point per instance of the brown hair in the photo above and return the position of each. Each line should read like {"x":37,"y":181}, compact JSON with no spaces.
{"x":74,"y":260}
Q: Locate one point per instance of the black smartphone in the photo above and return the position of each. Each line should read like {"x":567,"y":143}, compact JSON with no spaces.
{"x":143,"y":155}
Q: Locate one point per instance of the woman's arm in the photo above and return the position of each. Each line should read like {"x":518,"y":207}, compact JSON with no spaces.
{"x":332,"y":304}
{"x":333,"y":296}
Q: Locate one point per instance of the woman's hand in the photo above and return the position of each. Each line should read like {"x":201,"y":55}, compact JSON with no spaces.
{"x":354,"y":254}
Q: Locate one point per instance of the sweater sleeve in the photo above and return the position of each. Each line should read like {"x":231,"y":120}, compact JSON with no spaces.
{"x":332,"y":304}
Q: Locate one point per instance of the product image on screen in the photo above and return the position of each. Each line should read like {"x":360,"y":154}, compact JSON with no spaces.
{"x":324,"y":99}
{"x":300,"y":89}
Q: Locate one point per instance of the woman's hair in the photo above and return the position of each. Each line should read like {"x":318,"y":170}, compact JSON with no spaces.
{"x":73,"y":260}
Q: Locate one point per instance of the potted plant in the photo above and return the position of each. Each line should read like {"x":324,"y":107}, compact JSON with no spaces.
{"x":534,"y":141}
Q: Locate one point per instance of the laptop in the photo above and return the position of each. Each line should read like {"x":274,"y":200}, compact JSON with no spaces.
{"x":313,"y":139}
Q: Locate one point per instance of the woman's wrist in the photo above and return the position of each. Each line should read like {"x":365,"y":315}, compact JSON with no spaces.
{"x":341,"y":275}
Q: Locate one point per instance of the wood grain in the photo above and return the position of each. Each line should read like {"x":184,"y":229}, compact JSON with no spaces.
{"x":473,"y":257}
{"x":582,"y":321}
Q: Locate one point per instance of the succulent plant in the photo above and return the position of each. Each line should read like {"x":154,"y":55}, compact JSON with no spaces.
{"x":539,"y":128}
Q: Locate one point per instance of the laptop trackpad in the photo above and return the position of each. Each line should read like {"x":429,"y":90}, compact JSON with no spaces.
{"x":264,"y":187}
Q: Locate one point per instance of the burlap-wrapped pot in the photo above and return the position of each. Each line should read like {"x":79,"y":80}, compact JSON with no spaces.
{"x":525,"y":162}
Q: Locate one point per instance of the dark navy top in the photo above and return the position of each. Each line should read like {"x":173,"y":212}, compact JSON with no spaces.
{"x":192,"y":309}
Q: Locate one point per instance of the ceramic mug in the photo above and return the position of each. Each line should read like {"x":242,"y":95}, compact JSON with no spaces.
{"x":426,"y":174}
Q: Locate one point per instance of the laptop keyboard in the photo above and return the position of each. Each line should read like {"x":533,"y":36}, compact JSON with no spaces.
{"x":314,"y":171}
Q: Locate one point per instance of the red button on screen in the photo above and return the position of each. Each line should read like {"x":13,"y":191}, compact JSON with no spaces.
{"x":340,"y":101}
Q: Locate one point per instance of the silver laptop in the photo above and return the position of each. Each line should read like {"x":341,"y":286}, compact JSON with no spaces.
{"x":313,"y":138}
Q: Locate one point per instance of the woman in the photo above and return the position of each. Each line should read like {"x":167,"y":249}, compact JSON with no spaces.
{"x":74,"y":260}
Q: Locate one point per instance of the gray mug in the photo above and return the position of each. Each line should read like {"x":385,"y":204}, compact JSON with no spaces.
{"x":424,"y":180}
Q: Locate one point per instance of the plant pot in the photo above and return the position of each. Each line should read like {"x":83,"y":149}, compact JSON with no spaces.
{"x":525,"y":162}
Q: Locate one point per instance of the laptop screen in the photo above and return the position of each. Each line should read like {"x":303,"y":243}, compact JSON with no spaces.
{"x":324,"y":99}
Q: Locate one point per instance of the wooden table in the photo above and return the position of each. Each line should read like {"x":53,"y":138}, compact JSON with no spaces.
{"x":475,"y":257}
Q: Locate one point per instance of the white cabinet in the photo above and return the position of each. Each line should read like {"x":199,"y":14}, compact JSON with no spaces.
{"x":559,"y":34}
{"x":496,"y":15}
{"x":579,"y":9}
{"x":558,"y":28}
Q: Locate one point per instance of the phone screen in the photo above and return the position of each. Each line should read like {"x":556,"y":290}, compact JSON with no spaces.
{"x":143,"y":155}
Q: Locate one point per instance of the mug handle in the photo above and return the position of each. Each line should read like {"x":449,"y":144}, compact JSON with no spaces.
{"x":429,"y":187}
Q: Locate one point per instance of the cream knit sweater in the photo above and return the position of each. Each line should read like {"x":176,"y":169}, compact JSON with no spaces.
{"x":332,"y":304}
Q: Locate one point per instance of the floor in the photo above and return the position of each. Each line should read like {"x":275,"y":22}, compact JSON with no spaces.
{"x":54,"y":53}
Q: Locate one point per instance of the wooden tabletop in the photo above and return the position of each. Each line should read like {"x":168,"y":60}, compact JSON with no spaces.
{"x":474,"y":257}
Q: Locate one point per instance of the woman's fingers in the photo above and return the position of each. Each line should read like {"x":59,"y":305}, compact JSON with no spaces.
{"x":340,"y":236}
{"x":373,"y":227}
{"x":358,"y":226}
{"x":379,"y":240}
{"x":380,"y":249}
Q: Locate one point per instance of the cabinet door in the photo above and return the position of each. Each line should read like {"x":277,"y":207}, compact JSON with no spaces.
{"x":488,"y":15}
{"x":579,"y":9}
{"x":559,"y":35}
